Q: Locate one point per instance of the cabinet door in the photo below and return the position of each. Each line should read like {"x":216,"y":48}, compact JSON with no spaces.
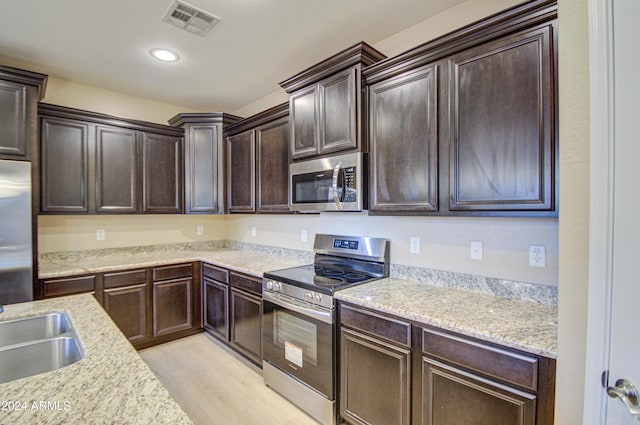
{"x":403,"y":142}
{"x":13,"y":119}
{"x":501,"y":98}
{"x":116,"y":166}
{"x":127,"y":307}
{"x":338,"y":112}
{"x":241,"y":174}
{"x":203,"y":185}
{"x":304,"y":122}
{"x":216,"y":302}
{"x":246,"y":324}
{"x":272,"y":145}
{"x":64,"y":150}
{"x":374,"y":380}
{"x":162,"y":174}
{"x":452,"y":397}
{"x":172,"y":306}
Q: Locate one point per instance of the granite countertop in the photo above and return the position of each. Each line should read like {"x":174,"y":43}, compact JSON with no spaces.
{"x":523,"y":325}
{"x":111,"y":384}
{"x":244,"y":261}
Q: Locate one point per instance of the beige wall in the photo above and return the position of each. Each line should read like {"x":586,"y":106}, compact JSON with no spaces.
{"x":444,"y":240}
{"x":76,"y":95}
{"x":574,"y":207}
{"x":71,"y":233}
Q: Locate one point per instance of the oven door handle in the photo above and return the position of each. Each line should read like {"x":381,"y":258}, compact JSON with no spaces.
{"x":322,"y":316}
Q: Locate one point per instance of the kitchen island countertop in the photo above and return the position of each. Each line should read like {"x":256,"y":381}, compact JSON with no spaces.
{"x":110,"y":385}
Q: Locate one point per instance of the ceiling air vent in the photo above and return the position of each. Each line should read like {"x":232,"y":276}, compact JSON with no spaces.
{"x":189,"y":18}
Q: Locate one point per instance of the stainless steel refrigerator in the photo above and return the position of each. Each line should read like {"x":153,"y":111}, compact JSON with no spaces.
{"x":16,"y":260}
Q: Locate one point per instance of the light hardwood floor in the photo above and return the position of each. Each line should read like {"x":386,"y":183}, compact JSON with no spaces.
{"x":215,"y":386}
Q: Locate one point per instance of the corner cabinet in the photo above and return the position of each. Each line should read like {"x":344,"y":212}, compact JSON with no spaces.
{"x":204,"y":160}
{"x":467,"y":124}
{"x":94,"y":163}
{"x":325,"y":103}
{"x":258,"y":163}
{"x":396,"y":372}
{"x":149,"y":305}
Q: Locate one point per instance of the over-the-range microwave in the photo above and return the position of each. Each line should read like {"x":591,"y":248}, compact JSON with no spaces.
{"x":332,"y":183}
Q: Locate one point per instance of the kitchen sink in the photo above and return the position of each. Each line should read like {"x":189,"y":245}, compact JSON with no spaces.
{"x":33,"y":328}
{"x":36,"y":345}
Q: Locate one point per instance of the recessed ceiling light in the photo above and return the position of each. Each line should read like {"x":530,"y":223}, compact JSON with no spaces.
{"x":164,"y":55}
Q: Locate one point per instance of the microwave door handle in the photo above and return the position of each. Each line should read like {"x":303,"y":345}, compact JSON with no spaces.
{"x":336,"y":172}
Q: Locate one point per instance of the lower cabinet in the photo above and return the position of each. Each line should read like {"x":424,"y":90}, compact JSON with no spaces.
{"x":397,"y":372}
{"x":126,"y":299}
{"x":232,"y":310}
{"x":149,"y":305}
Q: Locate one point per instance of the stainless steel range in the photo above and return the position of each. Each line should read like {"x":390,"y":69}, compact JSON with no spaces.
{"x":299,"y":319}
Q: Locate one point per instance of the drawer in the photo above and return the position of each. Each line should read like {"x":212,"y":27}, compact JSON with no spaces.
{"x":172,"y":272}
{"x":132,"y":277}
{"x":248,"y":283}
{"x":385,"y":327}
{"x":515,"y":368}
{"x":215,"y":273}
{"x":69,"y":286}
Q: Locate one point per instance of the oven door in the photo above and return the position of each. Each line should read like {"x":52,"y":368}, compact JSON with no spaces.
{"x":300,"y":341}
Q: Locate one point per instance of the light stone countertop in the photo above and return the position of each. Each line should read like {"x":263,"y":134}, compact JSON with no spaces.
{"x":110,"y":385}
{"x":522,"y":325}
{"x":244,"y":261}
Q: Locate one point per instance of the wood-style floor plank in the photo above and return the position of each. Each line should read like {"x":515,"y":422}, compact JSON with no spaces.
{"x":215,"y":386}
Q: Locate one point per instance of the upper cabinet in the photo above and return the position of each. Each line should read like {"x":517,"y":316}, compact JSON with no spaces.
{"x":20,"y":92}
{"x":467,"y":124}
{"x":325,"y":103}
{"x":501,"y":126}
{"x":204,"y":160}
{"x":95,"y":163}
{"x":258,"y":163}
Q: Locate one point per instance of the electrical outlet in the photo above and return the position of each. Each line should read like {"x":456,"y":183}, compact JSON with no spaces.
{"x":199,"y":230}
{"x":475,"y":250}
{"x":100,"y":234}
{"x":537,"y":256}
{"x":414,"y":245}
{"x":253,"y":231}
{"x":303,"y":235}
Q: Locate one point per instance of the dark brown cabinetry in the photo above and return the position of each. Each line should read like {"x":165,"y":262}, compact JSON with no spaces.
{"x":258,"y":163}
{"x":501,"y":124}
{"x":162,"y":174}
{"x":116,"y":169}
{"x":150,"y":305}
{"x":403,"y":142}
{"x":204,"y":164}
{"x":126,"y":300}
{"x":472,"y":117}
{"x":232,"y":304}
{"x":20,"y":91}
{"x":215,"y":300}
{"x":375,"y":369}
{"x":95,"y":163}
{"x":241,"y":160}
{"x":396,"y":372}
{"x":325,"y":103}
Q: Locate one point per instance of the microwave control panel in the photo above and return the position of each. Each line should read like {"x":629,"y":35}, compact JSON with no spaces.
{"x":350,"y":184}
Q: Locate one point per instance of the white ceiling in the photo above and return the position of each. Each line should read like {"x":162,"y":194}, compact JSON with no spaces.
{"x":258,"y":43}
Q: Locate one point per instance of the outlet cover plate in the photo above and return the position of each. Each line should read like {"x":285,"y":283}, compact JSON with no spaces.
{"x":537,"y":256}
{"x":414,"y":245}
{"x":475,"y":250}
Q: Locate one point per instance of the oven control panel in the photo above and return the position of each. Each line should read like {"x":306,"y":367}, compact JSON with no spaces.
{"x":298,"y":293}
